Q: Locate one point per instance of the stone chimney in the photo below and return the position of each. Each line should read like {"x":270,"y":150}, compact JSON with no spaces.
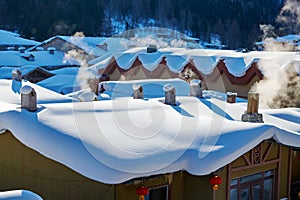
{"x":17,"y":75}
{"x":138,"y":92}
{"x":28,"y":98}
{"x":196,"y":88}
{"x":170,"y":94}
{"x":252,"y":115}
{"x":231,"y":97}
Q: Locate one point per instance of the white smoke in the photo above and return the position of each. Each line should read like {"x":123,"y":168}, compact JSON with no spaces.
{"x":160,"y":37}
{"x":84,"y":75}
{"x":281,"y":85}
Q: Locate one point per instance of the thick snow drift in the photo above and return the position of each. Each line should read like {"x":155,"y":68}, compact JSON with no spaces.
{"x":122,"y":138}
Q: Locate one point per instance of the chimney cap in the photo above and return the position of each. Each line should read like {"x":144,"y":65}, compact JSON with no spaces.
{"x":26,"y":89}
{"x":168,"y":87}
{"x":231,"y":93}
{"x":51,"y":48}
{"x":195,"y":82}
{"x":136,"y":86}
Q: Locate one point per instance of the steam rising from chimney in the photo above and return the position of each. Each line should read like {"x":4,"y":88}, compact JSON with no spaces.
{"x":84,"y":75}
{"x":281,"y":86}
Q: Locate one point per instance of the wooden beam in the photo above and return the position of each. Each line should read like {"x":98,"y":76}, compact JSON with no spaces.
{"x":265,"y":156}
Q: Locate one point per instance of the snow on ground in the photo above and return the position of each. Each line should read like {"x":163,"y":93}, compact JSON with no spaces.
{"x":122,"y":138}
{"x":19,"y":195}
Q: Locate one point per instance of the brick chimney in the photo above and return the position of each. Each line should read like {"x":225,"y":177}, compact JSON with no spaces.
{"x":196,"y":88}
{"x":170,"y":94}
{"x":252,"y":115}
{"x":138,"y":92}
{"x":28,"y":98}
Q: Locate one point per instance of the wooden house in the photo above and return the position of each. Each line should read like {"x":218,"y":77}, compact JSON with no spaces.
{"x":221,"y":70}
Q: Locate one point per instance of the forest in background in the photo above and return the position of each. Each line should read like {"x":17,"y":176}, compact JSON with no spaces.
{"x":235,"y":22}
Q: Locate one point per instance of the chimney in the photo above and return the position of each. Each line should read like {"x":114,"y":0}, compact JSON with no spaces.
{"x":170,"y":94}
{"x":28,"y":98}
{"x":252,"y":115}
{"x":196,"y":88}
{"x":17,"y":75}
{"x":231,"y":97}
{"x":51,"y":50}
{"x":151,"y":49}
{"x":137,"y":91}
{"x":22,"y":49}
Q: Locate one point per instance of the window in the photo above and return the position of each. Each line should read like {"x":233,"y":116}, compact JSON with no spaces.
{"x":259,"y":186}
{"x":158,"y":193}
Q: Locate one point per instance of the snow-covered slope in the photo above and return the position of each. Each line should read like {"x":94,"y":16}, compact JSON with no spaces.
{"x":116,"y":140}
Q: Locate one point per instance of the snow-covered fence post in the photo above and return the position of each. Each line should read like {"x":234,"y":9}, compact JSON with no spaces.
{"x":28,"y":98}
{"x":196,"y":88}
{"x":252,"y":115}
{"x":231,"y":97}
{"x":138,"y":92}
{"x":170,"y":94}
{"x":17,"y":75}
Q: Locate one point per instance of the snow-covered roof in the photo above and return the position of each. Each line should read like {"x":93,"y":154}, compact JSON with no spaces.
{"x":118,"y":139}
{"x":151,"y":88}
{"x":19,"y":195}
{"x":205,"y":60}
{"x":91,"y":44}
{"x":41,"y":58}
{"x":11,"y":39}
{"x":288,"y":38}
{"x":6,"y":72}
{"x":61,"y":83}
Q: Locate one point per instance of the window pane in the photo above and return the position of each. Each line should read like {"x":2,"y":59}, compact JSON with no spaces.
{"x":269,"y":173}
{"x":158,"y":193}
{"x":251,"y":177}
{"x":233,"y":182}
{"x":268,"y":189}
{"x":245,"y":194}
{"x":233,"y":194}
{"x":256,"y":193}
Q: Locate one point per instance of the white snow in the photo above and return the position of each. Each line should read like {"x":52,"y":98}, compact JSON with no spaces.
{"x":10,"y":38}
{"x":26,"y":89}
{"x":151,"y":88}
{"x":204,"y":60}
{"x":122,"y":138}
{"x":41,"y":58}
{"x":19,"y":195}
{"x":195,"y":82}
{"x":168,"y":87}
{"x":90,"y":44}
{"x":61,"y":83}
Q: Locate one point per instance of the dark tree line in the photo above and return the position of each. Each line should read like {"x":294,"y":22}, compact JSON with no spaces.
{"x":235,"y":21}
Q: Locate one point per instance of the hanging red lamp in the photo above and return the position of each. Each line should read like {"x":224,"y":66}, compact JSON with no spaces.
{"x":142,"y":191}
{"x":215,"y":181}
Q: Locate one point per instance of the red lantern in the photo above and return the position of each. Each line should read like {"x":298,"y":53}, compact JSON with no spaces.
{"x":142,"y":191}
{"x":215,"y":181}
